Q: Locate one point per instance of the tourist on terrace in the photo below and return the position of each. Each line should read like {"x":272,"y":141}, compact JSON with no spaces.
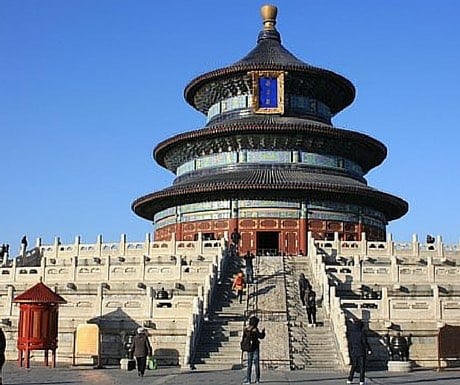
{"x":24,"y":244}
{"x":2,"y":353}
{"x":3,"y":253}
{"x":358,"y":347}
{"x":235,"y":236}
{"x":310,"y":305}
{"x":249,"y":258}
{"x":254,"y":352}
{"x":304,"y":284}
{"x":141,"y":348}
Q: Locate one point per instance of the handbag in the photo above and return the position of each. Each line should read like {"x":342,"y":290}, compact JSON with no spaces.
{"x":151,"y":363}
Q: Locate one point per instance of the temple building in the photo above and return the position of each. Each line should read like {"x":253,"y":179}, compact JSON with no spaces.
{"x":269,"y":163}
{"x":270,"y":167}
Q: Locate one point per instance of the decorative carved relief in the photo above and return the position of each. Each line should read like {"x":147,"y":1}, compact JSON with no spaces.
{"x":270,"y":223}
{"x":204,"y":226}
{"x":248,"y":223}
{"x":334,"y":226}
{"x":221,"y":225}
{"x":290,"y":223}
{"x":319,"y":225}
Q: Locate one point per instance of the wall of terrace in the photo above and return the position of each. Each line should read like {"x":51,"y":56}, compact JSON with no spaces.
{"x":114,"y":285}
{"x":411,"y":286}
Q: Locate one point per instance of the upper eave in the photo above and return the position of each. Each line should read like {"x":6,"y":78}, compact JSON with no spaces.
{"x":339,"y":86}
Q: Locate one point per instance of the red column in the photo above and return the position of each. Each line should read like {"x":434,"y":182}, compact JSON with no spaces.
{"x":303,"y":229}
{"x":360,"y":230}
{"x":232,"y":224}
{"x":179,"y":232}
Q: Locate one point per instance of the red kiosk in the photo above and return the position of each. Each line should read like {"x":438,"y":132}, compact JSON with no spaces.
{"x":38,"y":323}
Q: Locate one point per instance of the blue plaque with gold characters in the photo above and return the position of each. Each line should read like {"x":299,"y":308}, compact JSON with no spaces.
{"x":268,"y":92}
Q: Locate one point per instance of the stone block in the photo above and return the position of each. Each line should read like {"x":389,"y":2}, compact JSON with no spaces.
{"x":400,"y":366}
{"x":127,"y":364}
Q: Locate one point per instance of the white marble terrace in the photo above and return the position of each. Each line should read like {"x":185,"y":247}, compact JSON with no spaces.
{"x":116,"y":283}
{"x":407,"y":286}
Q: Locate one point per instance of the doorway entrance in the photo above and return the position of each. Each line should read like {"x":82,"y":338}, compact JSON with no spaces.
{"x":267,"y":242}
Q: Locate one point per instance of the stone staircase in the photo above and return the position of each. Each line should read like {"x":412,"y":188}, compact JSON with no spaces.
{"x":311,"y":348}
{"x":220,"y":336}
{"x":290,"y":343}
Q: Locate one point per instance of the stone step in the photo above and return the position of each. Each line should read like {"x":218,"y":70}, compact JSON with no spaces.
{"x":227,"y":334}
{"x":312,"y":345}
{"x":310,"y":359}
{"x":217,"y":366}
{"x":218,"y":356}
{"x":223,"y":327}
{"x":219,"y":347}
{"x":169,"y":332}
{"x":313,"y":357}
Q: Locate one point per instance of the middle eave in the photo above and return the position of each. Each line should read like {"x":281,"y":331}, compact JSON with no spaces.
{"x":266,"y":132}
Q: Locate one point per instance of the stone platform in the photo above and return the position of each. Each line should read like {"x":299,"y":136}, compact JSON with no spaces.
{"x":81,"y":375}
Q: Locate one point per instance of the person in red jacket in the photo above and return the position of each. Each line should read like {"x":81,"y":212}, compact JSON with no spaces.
{"x":238,"y":285}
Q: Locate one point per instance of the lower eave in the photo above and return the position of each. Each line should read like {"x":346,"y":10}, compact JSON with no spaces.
{"x":147,"y":206}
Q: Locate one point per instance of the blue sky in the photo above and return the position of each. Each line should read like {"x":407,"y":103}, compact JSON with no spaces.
{"x":89,"y":87}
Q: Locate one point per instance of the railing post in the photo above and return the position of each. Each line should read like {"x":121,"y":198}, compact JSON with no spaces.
{"x":415,"y":246}
{"x":390,"y":245}
{"x":122,"y":245}
{"x":385,"y":312}
{"x":77,"y":245}
{"x":439,"y":246}
{"x":436,"y":303}
{"x":147,"y":246}
{"x":99,"y":245}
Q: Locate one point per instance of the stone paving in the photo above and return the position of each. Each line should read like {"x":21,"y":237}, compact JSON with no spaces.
{"x":67,"y":375}
{"x":271,"y":304}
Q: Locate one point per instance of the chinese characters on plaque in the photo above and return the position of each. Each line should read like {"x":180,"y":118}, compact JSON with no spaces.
{"x":268,"y":92}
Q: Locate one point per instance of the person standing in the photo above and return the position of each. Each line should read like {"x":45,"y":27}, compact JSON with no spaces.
{"x":249,"y":260}
{"x":2,"y":353}
{"x":235,"y":236}
{"x":141,"y":348}
{"x":24,"y":245}
{"x":359,"y":348}
{"x":254,"y":353}
{"x":238,"y":285}
{"x":310,"y":305}
{"x":304,"y":284}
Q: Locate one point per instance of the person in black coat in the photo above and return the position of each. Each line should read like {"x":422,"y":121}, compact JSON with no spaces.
{"x":249,"y":258}
{"x":235,"y":237}
{"x":141,"y":348}
{"x":358,"y":348}
{"x":254,"y":353}
{"x":310,"y":305}
{"x":304,"y":284}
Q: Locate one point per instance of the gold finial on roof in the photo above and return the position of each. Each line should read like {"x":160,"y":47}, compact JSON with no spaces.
{"x":269,"y":13}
